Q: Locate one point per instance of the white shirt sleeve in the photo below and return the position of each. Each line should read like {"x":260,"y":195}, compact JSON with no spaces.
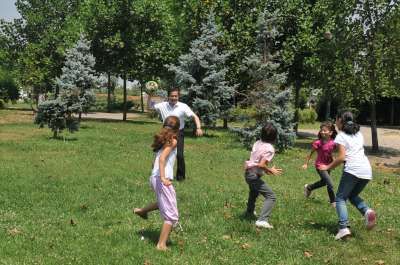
{"x":157,"y":106}
{"x":339,"y":139}
{"x":188,"y":111}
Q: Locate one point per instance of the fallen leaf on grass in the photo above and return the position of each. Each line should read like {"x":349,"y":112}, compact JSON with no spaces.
{"x":379,"y":262}
{"x":245,"y":246}
{"x":15,"y":231}
{"x":227,"y":215}
{"x":226,"y":237}
{"x":308,"y":254}
{"x":146,"y":262}
{"x":72,"y":222}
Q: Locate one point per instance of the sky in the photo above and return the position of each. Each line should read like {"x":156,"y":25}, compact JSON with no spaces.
{"x":8,"y":11}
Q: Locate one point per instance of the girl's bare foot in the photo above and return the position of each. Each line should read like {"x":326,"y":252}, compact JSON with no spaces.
{"x":140,"y":212}
{"x":162,"y":248}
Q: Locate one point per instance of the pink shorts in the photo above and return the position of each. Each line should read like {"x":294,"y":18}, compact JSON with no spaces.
{"x":166,"y":200}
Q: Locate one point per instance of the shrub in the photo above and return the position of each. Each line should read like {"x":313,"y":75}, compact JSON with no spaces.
{"x":120,"y":105}
{"x":8,"y":88}
{"x":242,"y":114}
{"x":307,"y":115}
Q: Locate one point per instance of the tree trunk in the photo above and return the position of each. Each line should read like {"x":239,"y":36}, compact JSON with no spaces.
{"x":297,"y":86}
{"x":108,"y":92}
{"x":392,"y":112}
{"x":374,"y":130}
{"x":225,"y":125}
{"x":373,"y":88}
{"x":328,"y":109}
{"x":57,"y":92}
{"x":55,"y":134}
{"x":141,"y":98}
{"x":125,"y":102}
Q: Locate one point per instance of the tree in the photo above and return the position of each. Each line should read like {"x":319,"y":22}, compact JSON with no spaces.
{"x":58,"y":114}
{"x":78,"y":73}
{"x":201,"y":74}
{"x":8,"y":87}
{"x":76,"y":96}
{"x":368,"y":19}
{"x":45,"y":30}
{"x":269,"y":96}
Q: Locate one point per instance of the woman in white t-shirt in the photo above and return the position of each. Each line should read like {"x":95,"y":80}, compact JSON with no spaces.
{"x":356,"y":173}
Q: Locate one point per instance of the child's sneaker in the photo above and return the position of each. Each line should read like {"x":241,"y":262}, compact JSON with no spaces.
{"x":343,"y":233}
{"x":264,"y":224}
{"x":307,"y":191}
{"x":370,"y":218}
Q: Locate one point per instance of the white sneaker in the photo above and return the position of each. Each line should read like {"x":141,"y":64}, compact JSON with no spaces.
{"x":370,"y":218}
{"x":344,"y":232}
{"x":307,"y":191}
{"x":264,"y":224}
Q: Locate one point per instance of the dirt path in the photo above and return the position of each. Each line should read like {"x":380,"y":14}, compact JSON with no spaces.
{"x":389,"y":144}
{"x":109,"y":116}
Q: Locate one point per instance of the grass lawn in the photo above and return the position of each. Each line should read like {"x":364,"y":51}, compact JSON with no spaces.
{"x":69,"y":202}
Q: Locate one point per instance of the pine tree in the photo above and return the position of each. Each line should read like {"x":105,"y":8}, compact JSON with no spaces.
{"x":201,"y":75}
{"x":75,"y":95}
{"x":269,"y":95}
{"x":78,"y":72}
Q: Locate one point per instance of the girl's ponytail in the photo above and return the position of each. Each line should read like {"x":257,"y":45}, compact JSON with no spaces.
{"x":348,"y":124}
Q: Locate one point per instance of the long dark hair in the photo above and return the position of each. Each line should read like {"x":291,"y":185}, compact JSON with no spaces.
{"x":169,"y":132}
{"x":330,"y":126}
{"x":348,"y":124}
{"x":268,"y":133}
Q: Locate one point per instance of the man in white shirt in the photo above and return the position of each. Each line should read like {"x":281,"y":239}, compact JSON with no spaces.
{"x":173,"y":107}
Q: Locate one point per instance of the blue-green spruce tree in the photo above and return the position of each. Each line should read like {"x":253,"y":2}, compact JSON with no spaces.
{"x":201,"y":75}
{"x":269,"y":95}
{"x":75,"y":96}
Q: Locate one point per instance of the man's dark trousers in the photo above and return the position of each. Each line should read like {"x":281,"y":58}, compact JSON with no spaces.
{"x":180,"y":170}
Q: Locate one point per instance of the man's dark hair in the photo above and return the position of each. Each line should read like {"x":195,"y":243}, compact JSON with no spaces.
{"x":172,"y":89}
{"x":268,"y":133}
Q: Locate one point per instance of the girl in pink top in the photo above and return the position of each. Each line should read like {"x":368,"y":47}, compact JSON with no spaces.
{"x":324,"y":147}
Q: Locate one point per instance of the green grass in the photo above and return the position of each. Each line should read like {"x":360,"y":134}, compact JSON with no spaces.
{"x":69,"y":202}
{"x":307,"y":126}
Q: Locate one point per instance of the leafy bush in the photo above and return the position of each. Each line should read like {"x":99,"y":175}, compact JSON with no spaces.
{"x":60,"y":114}
{"x":2,"y":104}
{"x":307,"y":115}
{"x":8,"y":87}
{"x":120,"y":105}
{"x":57,"y":115}
{"x":242,"y":114}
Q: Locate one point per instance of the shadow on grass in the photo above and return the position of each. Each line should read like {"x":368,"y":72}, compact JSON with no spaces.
{"x":305,"y":135}
{"x":141,"y":122}
{"x":63,"y":139}
{"x":329,"y":227}
{"x":149,"y":234}
{"x":384,"y":152}
{"x":152,"y":236}
{"x":244,"y":217}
